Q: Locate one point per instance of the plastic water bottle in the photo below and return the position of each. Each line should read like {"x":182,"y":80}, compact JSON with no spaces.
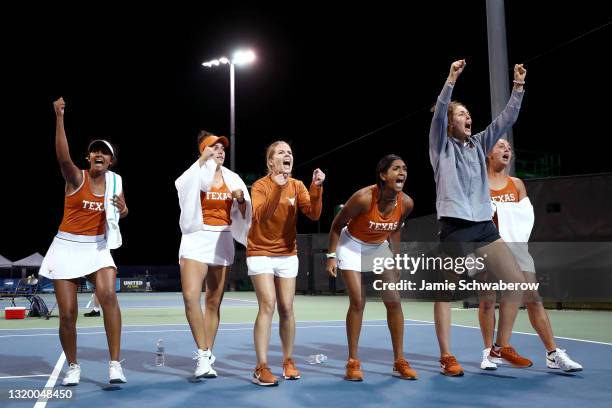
{"x":316,"y":358}
{"x":160,"y":354}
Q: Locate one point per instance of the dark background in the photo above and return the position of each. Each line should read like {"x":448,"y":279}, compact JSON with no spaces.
{"x":322,"y":78}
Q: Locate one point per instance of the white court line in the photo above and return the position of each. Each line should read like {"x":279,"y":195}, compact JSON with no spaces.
{"x":241,"y":300}
{"x":177,"y":307}
{"x":30,"y":335}
{"x":187,"y":330}
{"x":528,"y":334}
{"x":300,"y":321}
{"x":23,"y":376}
{"x":185,"y":324}
{"x":42,"y":402}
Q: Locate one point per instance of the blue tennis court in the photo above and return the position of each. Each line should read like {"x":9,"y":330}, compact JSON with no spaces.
{"x":30,"y":361}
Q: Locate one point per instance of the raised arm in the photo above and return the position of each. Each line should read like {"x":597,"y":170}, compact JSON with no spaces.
{"x":71,"y":173}
{"x":310,"y":201}
{"x":357,"y":204}
{"x":208,"y":167}
{"x":206,"y":154}
{"x":504,"y":121}
{"x":437,"y":132}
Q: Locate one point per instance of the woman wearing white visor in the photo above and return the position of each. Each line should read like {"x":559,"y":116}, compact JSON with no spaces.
{"x":93,"y":204}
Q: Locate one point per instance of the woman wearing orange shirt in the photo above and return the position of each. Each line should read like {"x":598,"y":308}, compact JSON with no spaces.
{"x":362,"y":230}
{"x":272,"y":253}
{"x":80,"y":248}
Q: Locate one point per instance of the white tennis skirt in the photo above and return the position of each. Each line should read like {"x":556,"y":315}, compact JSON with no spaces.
{"x":211,"y":247}
{"x":73,"y":256}
{"x":520,"y":250}
{"x":355,"y":255}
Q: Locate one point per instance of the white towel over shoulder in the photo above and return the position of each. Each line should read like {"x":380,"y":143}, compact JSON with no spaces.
{"x":515,"y":222}
{"x":114,"y":186}
{"x":196,"y":179}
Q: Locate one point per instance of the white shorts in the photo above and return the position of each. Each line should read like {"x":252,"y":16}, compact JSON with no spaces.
{"x":73,"y":256}
{"x":208,"y":246}
{"x":355,"y":255}
{"x":280,"y":266}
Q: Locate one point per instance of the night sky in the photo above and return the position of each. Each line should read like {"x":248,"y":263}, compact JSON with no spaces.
{"x":322,"y":78}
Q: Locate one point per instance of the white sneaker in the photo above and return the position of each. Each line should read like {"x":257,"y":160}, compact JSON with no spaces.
{"x":560,"y":359}
{"x":486,"y":363}
{"x":73,"y":375}
{"x":204,"y":360}
{"x":115,"y":372}
{"x":496,"y":360}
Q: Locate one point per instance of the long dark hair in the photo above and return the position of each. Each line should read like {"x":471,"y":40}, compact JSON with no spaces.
{"x":383,"y":165}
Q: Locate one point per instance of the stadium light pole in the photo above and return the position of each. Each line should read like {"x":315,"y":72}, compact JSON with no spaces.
{"x":239,"y":58}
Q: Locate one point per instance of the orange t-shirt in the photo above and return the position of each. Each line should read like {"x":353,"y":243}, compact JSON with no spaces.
{"x":273,"y":231}
{"x":508,"y":194}
{"x":371,"y":226}
{"x":216,"y":205}
{"x":84,"y":211}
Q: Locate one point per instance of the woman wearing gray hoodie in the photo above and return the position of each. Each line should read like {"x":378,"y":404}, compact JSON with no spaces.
{"x":464,"y":208}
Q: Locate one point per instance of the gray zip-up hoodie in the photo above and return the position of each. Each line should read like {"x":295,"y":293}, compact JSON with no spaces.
{"x":460,"y":170}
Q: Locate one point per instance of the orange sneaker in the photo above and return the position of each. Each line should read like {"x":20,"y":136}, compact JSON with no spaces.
{"x":353,"y":370}
{"x":450,"y":367}
{"x":263,"y":376}
{"x":290,"y":371}
{"x":509,"y":354}
{"x":402,"y":369}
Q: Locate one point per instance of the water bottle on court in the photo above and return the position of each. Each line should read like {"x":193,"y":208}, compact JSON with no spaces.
{"x":160,"y":354}
{"x":316,"y":358}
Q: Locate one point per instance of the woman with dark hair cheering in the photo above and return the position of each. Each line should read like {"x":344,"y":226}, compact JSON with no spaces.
{"x":362,"y":230}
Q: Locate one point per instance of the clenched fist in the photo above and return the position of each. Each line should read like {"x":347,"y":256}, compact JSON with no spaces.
{"x":58,"y":107}
{"x":456,"y":69}
{"x":238,"y":195}
{"x":281,"y":178}
{"x":318,"y":177}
